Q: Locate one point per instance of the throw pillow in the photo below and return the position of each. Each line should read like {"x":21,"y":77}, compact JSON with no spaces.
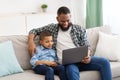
{"x":8,"y":60}
{"x":108,"y":46}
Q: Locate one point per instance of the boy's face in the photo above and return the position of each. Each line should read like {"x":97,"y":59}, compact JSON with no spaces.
{"x":47,"y":42}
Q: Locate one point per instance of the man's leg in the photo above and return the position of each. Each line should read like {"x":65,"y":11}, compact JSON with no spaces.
{"x":72,"y":72}
{"x":45,"y":70}
{"x":60,"y":70}
{"x":100,"y":64}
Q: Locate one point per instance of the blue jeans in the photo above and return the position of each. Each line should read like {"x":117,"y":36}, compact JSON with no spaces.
{"x":97,"y":63}
{"x":50,"y":71}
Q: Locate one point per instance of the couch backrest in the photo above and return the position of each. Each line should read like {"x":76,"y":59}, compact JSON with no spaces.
{"x":21,"y":49}
{"x":20,"y":44}
{"x":93,"y":35}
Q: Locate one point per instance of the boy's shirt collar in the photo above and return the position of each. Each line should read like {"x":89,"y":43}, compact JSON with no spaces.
{"x":43,"y":48}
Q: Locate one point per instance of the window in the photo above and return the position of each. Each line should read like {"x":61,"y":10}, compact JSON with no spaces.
{"x":111,"y":15}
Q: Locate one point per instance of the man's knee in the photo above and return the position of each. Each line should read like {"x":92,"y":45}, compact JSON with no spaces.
{"x":72,"y":72}
{"x":101,"y":60}
{"x":72,"y":68}
{"x":105,"y":61}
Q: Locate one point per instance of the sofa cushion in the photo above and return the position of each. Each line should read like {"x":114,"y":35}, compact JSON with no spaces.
{"x":115,"y":66}
{"x":108,"y":46}
{"x":91,"y":75}
{"x":93,"y":36}
{"x":26,"y":75}
{"x":30,"y":75}
{"x":21,"y":49}
{"x":8,"y":62}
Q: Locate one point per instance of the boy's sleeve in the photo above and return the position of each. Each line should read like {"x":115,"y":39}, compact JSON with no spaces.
{"x":33,"y":59}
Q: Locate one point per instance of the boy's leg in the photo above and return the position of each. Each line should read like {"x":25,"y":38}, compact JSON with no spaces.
{"x":45,"y":70}
{"x":100,"y":64}
{"x":60,"y":70}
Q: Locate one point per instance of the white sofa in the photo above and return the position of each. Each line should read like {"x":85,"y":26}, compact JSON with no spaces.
{"x":21,"y":51}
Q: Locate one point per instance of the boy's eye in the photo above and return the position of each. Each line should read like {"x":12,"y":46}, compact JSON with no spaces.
{"x":47,"y":41}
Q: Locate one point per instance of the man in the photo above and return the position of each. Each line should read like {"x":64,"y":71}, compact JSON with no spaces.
{"x":67,"y":35}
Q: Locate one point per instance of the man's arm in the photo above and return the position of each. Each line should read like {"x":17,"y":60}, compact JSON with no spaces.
{"x":32,"y":35}
{"x":31,"y":44}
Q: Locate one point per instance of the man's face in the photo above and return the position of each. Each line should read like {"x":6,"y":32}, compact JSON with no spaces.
{"x":64,"y":21}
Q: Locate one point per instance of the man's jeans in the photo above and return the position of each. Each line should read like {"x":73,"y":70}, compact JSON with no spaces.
{"x":97,"y":63}
{"x":50,"y":71}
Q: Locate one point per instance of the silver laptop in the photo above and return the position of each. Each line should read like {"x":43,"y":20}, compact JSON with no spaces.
{"x":74,"y":55}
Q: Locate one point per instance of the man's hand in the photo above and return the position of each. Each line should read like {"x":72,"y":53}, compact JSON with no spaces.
{"x":87,"y":59}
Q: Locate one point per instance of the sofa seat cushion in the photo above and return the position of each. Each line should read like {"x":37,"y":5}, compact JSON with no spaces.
{"x":89,"y":75}
{"x":115,"y":66}
{"x":26,"y":75}
{"x":30,"y":75}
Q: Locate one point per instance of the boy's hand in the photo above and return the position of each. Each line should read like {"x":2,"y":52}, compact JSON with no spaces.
{"x":51,"y":63}
{"x":48,"y":63}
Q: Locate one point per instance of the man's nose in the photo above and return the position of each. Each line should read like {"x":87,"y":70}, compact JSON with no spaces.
{"x":65,"y":22}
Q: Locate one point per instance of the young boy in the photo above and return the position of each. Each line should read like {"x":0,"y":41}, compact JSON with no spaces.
{"x":44,"y":61}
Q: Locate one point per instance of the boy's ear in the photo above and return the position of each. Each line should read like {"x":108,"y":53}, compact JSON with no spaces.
{"x":40,"y":41}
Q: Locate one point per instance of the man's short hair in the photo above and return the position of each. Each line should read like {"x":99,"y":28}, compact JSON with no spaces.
{"x":63,"y":10}
{"x":44,"y":34}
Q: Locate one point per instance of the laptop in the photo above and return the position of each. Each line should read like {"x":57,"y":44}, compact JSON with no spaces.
{"x":74,"y":55}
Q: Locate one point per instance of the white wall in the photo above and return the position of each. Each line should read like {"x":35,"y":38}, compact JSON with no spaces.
{"x":111,"y":14}
{"x":25,"y":6}
{"x":9,"y":8}
{"x":33,"y":6}
{"x":78,"y":8}
{"x":12,"y":25}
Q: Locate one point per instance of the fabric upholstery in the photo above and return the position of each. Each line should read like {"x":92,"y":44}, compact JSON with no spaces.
{"x":108,"y":46}
{"x":21,"y":49}
{"x":8,"y":61}
{"x":93,"y":35}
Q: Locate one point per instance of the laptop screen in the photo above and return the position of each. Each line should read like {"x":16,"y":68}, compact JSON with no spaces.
{"x":74,"y":55}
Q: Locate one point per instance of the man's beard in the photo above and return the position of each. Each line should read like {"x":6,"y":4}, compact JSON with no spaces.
{"x":65,"y":29}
